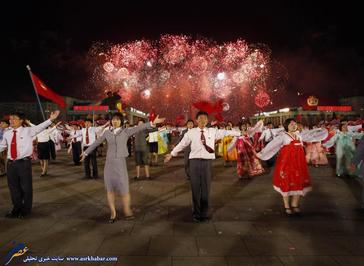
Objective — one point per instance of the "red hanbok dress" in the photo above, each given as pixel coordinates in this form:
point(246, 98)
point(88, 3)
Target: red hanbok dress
point(291, 176)
point(247, 162)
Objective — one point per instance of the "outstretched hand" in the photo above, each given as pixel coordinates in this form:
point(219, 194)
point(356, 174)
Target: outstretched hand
point(167, 158)
point(158, 120)
point(82, 157)
point(54, 115)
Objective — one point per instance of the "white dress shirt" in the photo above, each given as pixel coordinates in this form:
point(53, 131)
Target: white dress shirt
point(92, 135)
point(153, 136)
point(45, 135)
point(24, 139)
point(76, 135)
point(198, 150)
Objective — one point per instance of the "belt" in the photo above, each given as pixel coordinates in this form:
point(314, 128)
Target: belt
point(22, 159)
point(200, 159)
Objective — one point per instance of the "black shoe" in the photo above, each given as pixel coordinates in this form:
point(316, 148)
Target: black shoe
point(12, 215)
point(112, 220)
point(149, 177)
point(136, 177)
point(95, 177)
point(205, 219)
point(196, 220)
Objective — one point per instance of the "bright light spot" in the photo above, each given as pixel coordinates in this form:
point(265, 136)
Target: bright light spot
point(221, 76)
point(147, 92)
point(149, 63)
point(284, 110)
point(262, 66)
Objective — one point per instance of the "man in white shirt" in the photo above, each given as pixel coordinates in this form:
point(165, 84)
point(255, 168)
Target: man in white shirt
point(202, 142)
point(267, 136)
point(89, 135)
point(75, 142)
point(19, 142)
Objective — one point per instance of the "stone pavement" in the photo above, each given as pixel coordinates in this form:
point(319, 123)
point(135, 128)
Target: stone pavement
point(248, 226)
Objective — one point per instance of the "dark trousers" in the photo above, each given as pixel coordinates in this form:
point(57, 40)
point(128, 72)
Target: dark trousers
point(187, 163)
point(200, 171)
point(52, 149)
point(20, 184)
point(76, 152)
point(90, 158)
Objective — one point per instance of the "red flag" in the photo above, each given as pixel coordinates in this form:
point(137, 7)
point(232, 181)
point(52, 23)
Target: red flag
point(211, 108)
point(46, 92)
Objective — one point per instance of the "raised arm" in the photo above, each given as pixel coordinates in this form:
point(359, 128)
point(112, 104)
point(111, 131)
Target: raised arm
point(221, 133)
point(354, 128)
point(186, 140)
point(331, 142)
point(257, 128)
point(271, 149)
point(94, 145)
point(314, 135)
point(35, 130)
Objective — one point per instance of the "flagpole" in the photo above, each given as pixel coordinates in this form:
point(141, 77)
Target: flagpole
point(36, 94)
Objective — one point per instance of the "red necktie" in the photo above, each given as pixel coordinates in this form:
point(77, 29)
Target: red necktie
point(87, 138)
point(13, 150)
point(203, 139)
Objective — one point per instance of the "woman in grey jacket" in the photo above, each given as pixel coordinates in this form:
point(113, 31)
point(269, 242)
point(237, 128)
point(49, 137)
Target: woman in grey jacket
point(115, 171)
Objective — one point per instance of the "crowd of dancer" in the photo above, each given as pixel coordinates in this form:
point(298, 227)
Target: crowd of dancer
point(254, 149)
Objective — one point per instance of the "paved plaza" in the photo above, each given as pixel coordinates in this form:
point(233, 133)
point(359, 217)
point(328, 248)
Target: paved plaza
point(248, 225)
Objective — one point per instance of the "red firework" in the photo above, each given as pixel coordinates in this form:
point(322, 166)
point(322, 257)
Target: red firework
point(262, 99)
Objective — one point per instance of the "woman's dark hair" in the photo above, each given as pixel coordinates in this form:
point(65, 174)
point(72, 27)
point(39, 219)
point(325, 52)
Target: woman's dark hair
point(201, 113)
point(190, 120)
point(118, 115)
point(341, 126)
point(287, 122)
point(242, 123)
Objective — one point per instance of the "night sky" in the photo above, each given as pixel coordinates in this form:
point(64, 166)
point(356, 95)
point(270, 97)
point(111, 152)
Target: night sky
point(321, 45)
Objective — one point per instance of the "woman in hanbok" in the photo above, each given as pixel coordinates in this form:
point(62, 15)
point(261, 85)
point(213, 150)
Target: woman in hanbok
point(332, 132)
point(345, 148)
point(315, 154)
point(228, 155)
point(247, 163)
point(291, 178)
point(162, 140)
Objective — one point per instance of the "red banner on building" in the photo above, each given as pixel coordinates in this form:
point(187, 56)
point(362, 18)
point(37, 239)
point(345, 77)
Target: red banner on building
point(339, 108)
point(90, 108)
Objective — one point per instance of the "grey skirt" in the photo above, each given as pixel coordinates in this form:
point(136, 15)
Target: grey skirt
point(116, 176)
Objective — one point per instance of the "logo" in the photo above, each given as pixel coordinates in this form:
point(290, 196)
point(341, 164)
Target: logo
point(312, 101)
point(17, 251)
